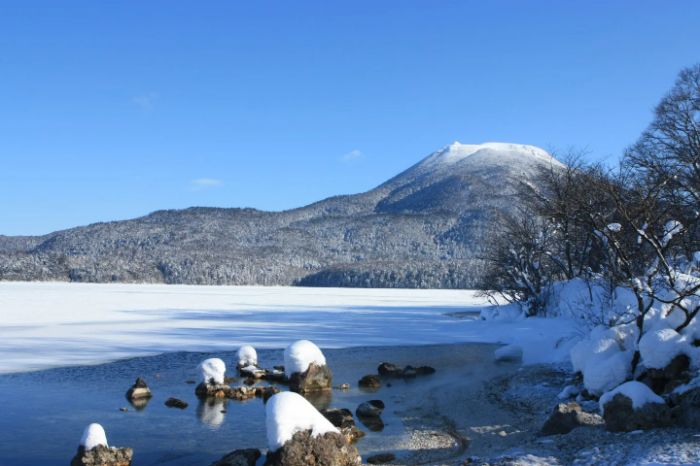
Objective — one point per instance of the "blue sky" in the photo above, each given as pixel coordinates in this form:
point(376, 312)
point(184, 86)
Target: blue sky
point(110, 110)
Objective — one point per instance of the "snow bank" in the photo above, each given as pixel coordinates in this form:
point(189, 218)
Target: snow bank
point(287, 413)
point(639, 393)
point(509, 353)
point(247, 356)
point(93, 436)
point(212, 368)
point(300, 354)
point(659, 347)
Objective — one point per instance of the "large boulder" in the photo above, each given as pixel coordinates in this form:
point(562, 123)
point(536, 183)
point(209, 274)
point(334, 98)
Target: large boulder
point(102, 455)
point(566, 417)
point(621, 415)
point(245, 457)
point(305, 449)
point(664, 381)
point(370, 381)
point(315, 378)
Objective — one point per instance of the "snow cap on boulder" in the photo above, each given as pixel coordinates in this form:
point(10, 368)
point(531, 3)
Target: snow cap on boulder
point(93, 436)
point(212, 369)
point(639, 393)
point(300, 355)
point(287, 413)
point(247, 356)
point(658, 348)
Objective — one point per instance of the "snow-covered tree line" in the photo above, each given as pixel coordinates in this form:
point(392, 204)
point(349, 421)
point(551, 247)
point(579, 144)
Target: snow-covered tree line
point(634, 228)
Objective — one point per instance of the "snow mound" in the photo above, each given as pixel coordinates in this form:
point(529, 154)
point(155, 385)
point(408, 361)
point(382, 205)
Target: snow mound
point(300, 354)
point(658, 348)
point(212, 369)
point(605, 374)
point(247, 356)
point(639, 393)
point(508, 353)
point(287, 413)
point(93, 436)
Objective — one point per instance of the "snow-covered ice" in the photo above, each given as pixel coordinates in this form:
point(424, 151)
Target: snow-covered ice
point(300, 355)
point(93, 436)
point(287, 413)
point(58, 324)
point(212, 369)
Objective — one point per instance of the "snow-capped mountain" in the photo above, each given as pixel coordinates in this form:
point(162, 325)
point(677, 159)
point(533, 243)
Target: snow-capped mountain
point(422, 228)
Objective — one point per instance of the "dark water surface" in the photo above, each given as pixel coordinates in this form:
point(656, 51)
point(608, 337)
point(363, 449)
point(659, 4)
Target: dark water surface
point(44, 413)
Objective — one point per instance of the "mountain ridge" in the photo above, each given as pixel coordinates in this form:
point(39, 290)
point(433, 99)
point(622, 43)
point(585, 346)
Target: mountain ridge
point(420, 228)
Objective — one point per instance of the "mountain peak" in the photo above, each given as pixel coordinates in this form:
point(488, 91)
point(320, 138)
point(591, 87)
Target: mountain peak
point(456, 152)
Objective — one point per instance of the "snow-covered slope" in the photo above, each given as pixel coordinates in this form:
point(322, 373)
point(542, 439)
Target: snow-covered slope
point(422, 228)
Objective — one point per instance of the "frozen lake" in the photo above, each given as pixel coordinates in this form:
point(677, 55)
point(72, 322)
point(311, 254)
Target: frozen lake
point(57, 324)
point(44, 325)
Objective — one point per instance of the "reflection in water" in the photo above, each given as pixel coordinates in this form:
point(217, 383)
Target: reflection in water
point(373, 423)
point(139, 404)
point(321, 399)
point(212, 411)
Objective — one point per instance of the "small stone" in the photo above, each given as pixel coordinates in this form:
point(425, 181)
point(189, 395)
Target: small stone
point(425, 370)
point(266, 392)
point(372, 408)
point(205, 390)
point(241, 393)
point(138, 391)
point(370, 381)
point(175, 403)
point(123, 409)
point(409, 372)
point(381, 458)
point(387, 369)
point(343, 386)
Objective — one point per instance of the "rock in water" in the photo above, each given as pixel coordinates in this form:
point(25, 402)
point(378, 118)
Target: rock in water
point(316, 378)
point(387, 369)
point(94, 451)
point(247, 356)
point(305, 449)
point(175, 403)
point(372, 408)
point(343, 420)
point(566, 417)
point(103, 456)
point(306, 367)
point(139, 394)
point(246, 457)
point(370, 381)
point(212, 371)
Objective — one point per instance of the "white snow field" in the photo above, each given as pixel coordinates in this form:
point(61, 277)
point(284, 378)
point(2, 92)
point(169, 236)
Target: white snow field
point(53, 324)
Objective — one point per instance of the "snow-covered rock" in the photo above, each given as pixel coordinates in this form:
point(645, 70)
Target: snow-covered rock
point(509, 353)
point(247, 356)
point(300, 354)
point(93, 436)
point(659, 347)
point(212, 370)
point(639, 393)
point(633, 406)
point(603, 374)
point(287, 413)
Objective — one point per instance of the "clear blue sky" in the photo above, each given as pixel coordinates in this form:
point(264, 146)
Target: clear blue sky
point(113, 109)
